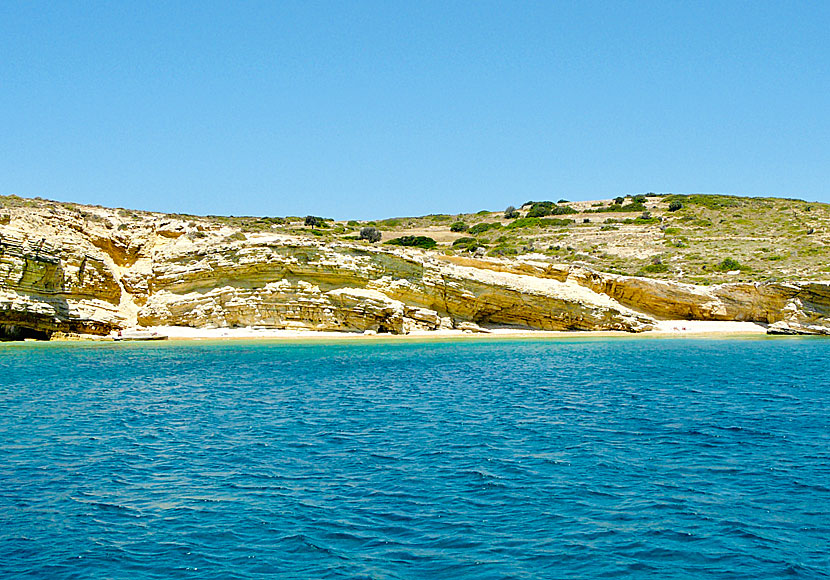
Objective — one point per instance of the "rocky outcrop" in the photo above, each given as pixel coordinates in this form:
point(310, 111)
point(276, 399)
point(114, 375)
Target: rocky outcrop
point(92, 270)
point(294, 283)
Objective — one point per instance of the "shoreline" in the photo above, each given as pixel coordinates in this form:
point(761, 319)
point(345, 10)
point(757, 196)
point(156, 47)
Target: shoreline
point(664, 329)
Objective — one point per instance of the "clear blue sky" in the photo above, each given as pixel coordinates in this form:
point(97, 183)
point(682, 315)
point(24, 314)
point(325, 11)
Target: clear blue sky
point(377, 109)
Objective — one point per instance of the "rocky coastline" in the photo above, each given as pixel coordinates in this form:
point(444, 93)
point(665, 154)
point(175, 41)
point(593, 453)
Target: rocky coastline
point(90, 271)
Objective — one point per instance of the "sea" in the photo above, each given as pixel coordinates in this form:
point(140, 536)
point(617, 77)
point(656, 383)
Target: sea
point(578, 457)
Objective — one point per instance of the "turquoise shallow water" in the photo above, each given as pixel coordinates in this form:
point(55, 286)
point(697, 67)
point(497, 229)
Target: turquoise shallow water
point(583, 458)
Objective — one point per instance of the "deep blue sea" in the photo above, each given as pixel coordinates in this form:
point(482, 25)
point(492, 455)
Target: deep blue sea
point(565, 458)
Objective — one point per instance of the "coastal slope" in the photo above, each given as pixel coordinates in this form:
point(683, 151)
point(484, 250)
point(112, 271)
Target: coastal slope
point(89, 270)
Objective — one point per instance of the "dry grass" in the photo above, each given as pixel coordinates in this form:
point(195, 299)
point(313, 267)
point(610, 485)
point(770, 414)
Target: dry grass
point(769, 238)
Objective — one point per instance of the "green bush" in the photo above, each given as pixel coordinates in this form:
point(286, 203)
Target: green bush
point(706, 200)
point(616, 207)
point(413, 242)
point(562, 210)
point(675, 205)
point(729, 264)
point(458, 227)
point(544, 208)
point(642, 221)
point(538, 210)
point(371, 234)
point(314, 221)
point(483, 227)
point(529, 222)
point(467, 244)
point(511, 213)
point(503, 250)
point(352, 223)
point(656, 268)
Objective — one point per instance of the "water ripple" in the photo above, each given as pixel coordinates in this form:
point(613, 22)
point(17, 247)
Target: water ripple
point(525, 459)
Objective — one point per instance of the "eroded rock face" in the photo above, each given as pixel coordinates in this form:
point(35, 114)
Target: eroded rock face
point(94, 270)
point(295, 283)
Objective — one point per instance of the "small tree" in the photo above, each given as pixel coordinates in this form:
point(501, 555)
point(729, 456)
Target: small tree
point(371, 234)
point(313, 220)
point(511, 213)
point(675, 205)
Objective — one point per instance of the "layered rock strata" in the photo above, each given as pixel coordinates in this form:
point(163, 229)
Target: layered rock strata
point(96, 270)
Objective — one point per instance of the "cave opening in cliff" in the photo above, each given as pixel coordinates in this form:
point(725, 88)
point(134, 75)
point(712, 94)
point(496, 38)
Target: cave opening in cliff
point(10, 332)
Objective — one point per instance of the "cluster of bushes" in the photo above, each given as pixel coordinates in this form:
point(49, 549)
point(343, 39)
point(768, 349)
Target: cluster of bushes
point(729, 264)
point(467, 244)
point(645, 219)
point(458, 226)
point(371, 234)
point(707, 201)
point(656, 268)
point(483, 227)
point(530, 222)
point(545, 208)
point(424, 242)
point(315, 221)
point(503, 250)
point(618, 206)
point(511, 213)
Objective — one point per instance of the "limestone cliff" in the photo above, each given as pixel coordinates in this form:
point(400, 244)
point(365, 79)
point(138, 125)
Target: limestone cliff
point(92, 270)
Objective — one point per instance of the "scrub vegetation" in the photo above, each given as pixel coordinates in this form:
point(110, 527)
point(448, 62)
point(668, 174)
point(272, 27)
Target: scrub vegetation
point(699, 239)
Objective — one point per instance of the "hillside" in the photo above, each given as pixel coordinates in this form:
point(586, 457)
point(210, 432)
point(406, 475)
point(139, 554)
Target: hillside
point(759, 238)
point(601, 265)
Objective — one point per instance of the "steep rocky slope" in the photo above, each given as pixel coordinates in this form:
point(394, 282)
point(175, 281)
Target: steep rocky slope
point(90, 270)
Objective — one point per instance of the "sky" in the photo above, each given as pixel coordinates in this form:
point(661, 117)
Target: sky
point(379, 109)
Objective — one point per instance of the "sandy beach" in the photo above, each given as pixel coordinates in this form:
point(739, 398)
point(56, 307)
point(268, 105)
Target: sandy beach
point(665, 328)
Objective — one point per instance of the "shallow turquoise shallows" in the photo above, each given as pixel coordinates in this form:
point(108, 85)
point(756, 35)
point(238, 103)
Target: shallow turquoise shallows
point(583, 458)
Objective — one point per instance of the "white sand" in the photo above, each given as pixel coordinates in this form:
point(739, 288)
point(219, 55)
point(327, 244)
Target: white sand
point(664, 328)
point(707, 327)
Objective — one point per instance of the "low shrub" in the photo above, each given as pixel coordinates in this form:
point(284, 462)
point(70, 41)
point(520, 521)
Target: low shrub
point(371, 234)
point(729, 264)
point(708, 201)
point(483, 227)
point(467, 244)
point(511, 213)
point(458, 226)
point(617, 207)
point(656, 268)
point(424, 242)
point(530, 222)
